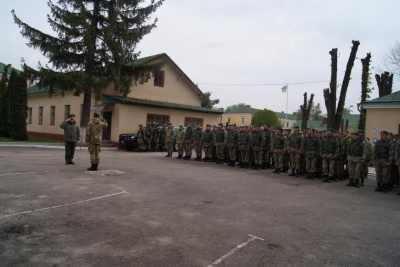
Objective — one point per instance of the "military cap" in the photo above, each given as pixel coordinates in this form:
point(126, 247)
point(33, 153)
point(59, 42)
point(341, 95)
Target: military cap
point(355, 133)
point(335, 131)
point(329, 129)
point(279, 128)
point(390, 133)
point(384, 132)
point(71, 115)
point(208, 125)
point(220, 124)
point(96, 114)
point(296, 127)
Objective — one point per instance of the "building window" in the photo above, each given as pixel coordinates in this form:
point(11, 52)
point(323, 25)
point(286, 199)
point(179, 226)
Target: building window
point(67, 111)
point(242, 120)
point(193, 121)
point(40, 122)
point(52, 115)
point(229, 120)
point(29, 115)
point(160, 119)
point(159, 78)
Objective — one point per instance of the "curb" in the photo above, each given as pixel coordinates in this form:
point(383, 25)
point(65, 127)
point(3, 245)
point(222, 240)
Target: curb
point(61, 147)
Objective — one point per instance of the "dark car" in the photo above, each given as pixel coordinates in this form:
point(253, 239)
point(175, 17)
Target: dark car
point(128, 141)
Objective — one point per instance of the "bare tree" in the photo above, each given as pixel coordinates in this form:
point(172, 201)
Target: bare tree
point(305, 110)
point(365, 81)
point(335, 114)
point(385, 83)
point(391, 59)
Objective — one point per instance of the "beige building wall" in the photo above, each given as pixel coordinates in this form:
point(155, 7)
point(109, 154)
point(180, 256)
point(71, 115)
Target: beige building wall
point(176, 89)
point(131, 116)
point(378, 120)
point(286, 123)
point(240, 119)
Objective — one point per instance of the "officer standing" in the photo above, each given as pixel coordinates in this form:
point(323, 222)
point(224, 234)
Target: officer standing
point(279, 148)
point(329, 154)
point(296, 146)
point(380, 157)
point(188, 140)
point(169, 140)
point(257, 144)
point(356, 155)
point(71, 137)
point(94, 130)
point(311, 149)
point(244, 147)
point(208, 143)
point(141, 138)
point(180, 138)
point(233, 139)
point(198, 135)
point(267, 148)
point(221, 137)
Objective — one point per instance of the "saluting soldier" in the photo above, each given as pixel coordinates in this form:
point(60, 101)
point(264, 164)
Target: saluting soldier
point(180, 139)
point(198, 135)
point(141, 138)
point(329, 153)
point(208, 143)
point(233, 139)
point(380, 157)
point(221, 138)
point(169, 140)
point(93, 138)
point(279, 147)
point(296, 147)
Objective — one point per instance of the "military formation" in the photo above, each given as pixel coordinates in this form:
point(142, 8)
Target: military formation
point(326, 155)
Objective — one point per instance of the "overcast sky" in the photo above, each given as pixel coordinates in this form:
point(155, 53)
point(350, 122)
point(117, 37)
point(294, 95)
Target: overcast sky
point(230, 47)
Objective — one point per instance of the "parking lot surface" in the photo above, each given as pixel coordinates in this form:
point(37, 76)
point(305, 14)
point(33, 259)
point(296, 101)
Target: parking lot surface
point(142, 209)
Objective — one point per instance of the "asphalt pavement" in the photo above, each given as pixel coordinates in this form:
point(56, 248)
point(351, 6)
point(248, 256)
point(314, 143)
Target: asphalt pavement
point(142, 209)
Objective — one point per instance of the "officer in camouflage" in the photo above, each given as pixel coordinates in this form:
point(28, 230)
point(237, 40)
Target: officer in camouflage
point(141, 138)
point(380, 157)
point(356, 155)
point(329, 153)
point(311, 148)
point(94, 130)
point(208, 143)
point(180, 139)
point(267, 147)
point(198, 136)
point(169, 140)
point(244, 147)
point(279, 148)
point(221, 138)
point(257, 145)
point(296, 147)
point(233, 139)
point(188, 140)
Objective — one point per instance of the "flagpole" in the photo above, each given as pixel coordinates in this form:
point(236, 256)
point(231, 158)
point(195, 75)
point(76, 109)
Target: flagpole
point(287, 100)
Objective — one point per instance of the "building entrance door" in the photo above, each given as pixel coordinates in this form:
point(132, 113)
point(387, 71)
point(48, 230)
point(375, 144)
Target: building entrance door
point(107, 115)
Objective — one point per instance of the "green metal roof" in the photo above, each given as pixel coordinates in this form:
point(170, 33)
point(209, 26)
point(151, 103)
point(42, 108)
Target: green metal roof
point(35, 89)
point(282, 115)
point(108, 99)
point(2, 66)
point(320, 125)
point(387, 99)
point(243, 110)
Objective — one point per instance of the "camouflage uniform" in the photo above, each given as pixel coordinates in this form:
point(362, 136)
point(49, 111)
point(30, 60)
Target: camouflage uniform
point(155, 138)
point(149, 136)
point(169, 140)
point(180, 138)
point(380, 156)
point(244, 147)
point(208, 143)
point(198, 135)
point(94, 130)
point(329, 153)
point(257, 145)
point(311, 148)
point(356, 154)
point(267, 149)
point(189, 134)
point(279, 147)
point(296, 147)
point(221, 137)
point(141, 138)
point(233, 139)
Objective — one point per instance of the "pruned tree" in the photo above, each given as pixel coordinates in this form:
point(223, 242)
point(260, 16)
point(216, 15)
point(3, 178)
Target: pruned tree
point(385, 83)
point(335, 112)
point(208, 102)
point(305, 110)
point(94, 46)
point(365, 82)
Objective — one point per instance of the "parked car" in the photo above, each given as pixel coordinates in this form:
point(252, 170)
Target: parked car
point(128, 141)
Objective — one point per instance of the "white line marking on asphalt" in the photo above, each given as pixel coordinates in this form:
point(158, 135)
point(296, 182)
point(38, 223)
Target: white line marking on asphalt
point(218, 261)
point(64, 205)
point(18, 173)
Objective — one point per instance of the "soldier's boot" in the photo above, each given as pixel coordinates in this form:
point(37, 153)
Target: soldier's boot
point(356, 183)
point(198, 158)
point(246, 165)
point(326, 179)
point(308, 176)
point(362, 182)
point(91, 168)
point(275, 171)
point(233, 163)
point(279, 171)
point(350, 183)
point(292, 173)
point(258, 167)
point(378, 188)
point(168, 155)
point(268, 166)
point(263, 166)
point(254, 167)
point(296, 173)
point(95, 166)
point(241, 165)
point(312, 175)
point(188, 158)
point(285, 169)
point(334, 178)
point(179, 156)
point(384, 188)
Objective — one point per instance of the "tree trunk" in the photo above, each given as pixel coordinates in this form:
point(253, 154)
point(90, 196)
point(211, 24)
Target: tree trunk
point(306, 109)
point(330, 97)
point(385, 83)
point(364, 89)
point(345, 84)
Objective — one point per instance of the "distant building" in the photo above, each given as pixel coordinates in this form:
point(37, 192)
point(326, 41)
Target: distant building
point(286, 120)
point(240, 116)
point(350, 123)
point(383, 114)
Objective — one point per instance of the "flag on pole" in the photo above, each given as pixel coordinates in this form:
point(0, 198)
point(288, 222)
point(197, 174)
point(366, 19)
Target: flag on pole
point(284, 89)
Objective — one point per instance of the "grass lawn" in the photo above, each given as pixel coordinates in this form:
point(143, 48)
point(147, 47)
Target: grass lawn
point(32, 139)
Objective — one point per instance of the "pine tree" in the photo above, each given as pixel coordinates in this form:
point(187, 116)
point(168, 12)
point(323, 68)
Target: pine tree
point(5, 119)
point(94, 47)
point(18, 106)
